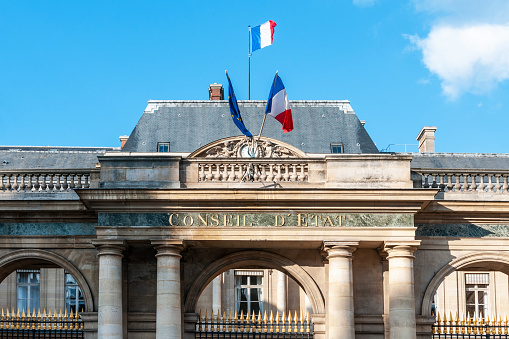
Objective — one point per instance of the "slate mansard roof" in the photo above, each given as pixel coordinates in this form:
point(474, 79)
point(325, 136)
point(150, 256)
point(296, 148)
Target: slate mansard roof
point(46, 157)
point(189, 125)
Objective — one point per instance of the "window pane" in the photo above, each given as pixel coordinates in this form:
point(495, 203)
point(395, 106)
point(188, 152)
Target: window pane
point(22, 292)
point(243, 307)
point(470, 297)
point(471, 310)
point(34, 292)
point(481, 297)
point(255, 307)
point(69, 279)
point(243, 279)
point(255, 294)
point(243, 294)
point(33, 278)
point(22, 278)
point(22, 304)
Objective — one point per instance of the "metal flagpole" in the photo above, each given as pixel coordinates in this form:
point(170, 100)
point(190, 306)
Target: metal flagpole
point(249, 62)
point(265, 115)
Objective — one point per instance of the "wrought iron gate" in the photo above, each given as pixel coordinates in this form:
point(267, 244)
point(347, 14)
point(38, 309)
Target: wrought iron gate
point(470, 328)
point(47, 325)
point(254, 327)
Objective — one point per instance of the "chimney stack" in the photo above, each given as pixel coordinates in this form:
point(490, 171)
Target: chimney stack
point(426, 139)
point(216, 92)
point(123, 140)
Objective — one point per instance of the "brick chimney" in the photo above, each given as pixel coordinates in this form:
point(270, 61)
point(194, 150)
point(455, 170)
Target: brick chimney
point(426, 139)
point(123, 140)
point(216, 92)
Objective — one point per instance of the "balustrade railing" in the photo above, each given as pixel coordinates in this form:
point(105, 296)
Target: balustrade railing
point(255, 171)
point(254, 326)
point(43, 181)
point(45, 325)
point(470, 327)
point(459, 181)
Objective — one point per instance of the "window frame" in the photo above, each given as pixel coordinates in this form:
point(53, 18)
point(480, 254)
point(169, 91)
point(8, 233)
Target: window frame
point(28, 304)
point(337, 144)
point(249, 286)
point(163, 144)
point(477, 289)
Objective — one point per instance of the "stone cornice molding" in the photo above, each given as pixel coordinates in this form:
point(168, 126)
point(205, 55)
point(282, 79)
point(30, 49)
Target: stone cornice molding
point(401, 249)
point(110, 246)
point(332, 200)
point(457, 211)
point(171, 247)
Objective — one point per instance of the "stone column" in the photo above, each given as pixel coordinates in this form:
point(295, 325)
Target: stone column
point(340, 312)
point(402, 322)
point(216, 294)
point(281, 292)
point(169, 301)
point(110, 324)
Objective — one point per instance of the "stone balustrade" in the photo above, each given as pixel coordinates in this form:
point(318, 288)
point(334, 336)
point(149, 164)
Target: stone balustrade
point(465, 181)
point(267, 171)
point(43, 181)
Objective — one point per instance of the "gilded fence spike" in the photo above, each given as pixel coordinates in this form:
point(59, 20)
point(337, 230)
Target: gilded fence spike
point(271, 322)
point(241, 320)
point(290, 329)
point(505, 326)
point(283, 323)
point(253, 322)
point(296, 320)
point(265, 329)
point(308, 326)
point(259, 320)
point(469, 322)
point(277, 322)
point(2, 319)
point(34, 319)
point(451, 323)
point(301, 328)
point(488, 329)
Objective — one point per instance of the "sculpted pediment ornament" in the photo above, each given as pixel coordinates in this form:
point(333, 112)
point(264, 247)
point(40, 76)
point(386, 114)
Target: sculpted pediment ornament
point(243, 147)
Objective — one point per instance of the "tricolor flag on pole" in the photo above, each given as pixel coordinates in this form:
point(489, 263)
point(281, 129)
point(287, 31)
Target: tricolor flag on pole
point(278, 105)
point(262, 36)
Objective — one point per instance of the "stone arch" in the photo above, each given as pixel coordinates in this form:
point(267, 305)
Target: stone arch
point(16, 259)
point(490, 259)
point(256, 259)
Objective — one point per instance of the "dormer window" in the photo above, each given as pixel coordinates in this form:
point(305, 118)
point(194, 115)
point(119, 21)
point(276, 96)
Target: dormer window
point(163, 146)
point(336, 148)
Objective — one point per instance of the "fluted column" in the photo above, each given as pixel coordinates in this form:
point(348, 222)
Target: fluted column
point(340, 311)
point(109, 324)
point(168, 308)
point(401, 289)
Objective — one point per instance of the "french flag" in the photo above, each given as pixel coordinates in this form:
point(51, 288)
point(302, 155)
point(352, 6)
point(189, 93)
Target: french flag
point(278, 105)
point(261, 36)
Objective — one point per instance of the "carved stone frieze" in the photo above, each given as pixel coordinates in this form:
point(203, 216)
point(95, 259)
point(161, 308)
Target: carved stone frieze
point(242, 147)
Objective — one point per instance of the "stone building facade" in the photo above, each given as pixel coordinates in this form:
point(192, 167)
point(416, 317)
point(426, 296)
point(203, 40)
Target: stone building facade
point(178, 221)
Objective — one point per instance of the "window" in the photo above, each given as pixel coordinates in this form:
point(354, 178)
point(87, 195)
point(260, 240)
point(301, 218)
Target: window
point(73, 296)
point(336, 148)
point(163, 146)
point(248, 291)
point(476, 293)
point(28, 289)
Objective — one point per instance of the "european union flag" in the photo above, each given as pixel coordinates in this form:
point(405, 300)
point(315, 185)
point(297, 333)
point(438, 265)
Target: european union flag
point(234, 110)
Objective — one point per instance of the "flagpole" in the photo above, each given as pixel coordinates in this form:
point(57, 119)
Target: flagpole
point(265, 115)
point(249, 67)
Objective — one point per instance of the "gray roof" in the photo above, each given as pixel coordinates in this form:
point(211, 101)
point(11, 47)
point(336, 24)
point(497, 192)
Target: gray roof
point(30, 157)
point(189, 125)
point(460, 161)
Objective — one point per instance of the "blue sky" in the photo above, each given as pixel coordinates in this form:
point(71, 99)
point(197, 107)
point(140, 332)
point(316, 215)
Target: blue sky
point(80, 73)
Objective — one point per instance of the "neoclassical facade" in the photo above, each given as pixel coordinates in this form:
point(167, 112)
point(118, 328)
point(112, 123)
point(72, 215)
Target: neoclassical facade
point(179, 223)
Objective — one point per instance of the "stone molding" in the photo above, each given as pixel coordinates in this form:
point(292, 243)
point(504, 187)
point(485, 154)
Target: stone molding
point(168, 247)
point(110, 247)
point(454, 265)
point(401, 249)
point(264, 259)
point(342, 249)
point(13, 257)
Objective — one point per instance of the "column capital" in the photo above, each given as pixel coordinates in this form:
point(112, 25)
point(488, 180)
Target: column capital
point(334, 249)
point(110, 246)
point(403, 249)
point(168, 246)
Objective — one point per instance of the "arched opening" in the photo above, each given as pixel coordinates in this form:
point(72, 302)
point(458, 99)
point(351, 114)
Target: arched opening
point(257, 261)
point(38, 279)
point(472, 284)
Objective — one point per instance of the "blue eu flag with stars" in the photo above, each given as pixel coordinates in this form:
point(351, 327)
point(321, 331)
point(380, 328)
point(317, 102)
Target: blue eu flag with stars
point(234, 110)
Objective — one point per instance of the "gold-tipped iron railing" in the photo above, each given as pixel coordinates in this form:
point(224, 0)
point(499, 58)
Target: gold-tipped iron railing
point(41, 324)
point(470, 327)
point(254, 325)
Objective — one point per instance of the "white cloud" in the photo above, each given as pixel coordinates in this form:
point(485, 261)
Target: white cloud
point(364, 3)
point(470, 58)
